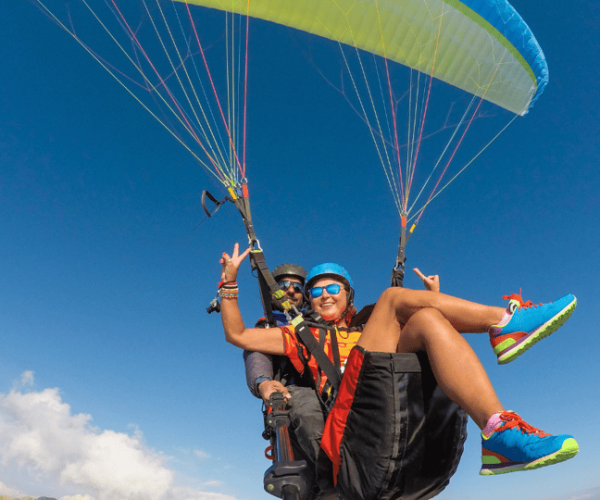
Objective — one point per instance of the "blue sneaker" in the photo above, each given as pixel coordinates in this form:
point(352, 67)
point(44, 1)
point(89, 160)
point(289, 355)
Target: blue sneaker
point(515, 445)
point(528, 324)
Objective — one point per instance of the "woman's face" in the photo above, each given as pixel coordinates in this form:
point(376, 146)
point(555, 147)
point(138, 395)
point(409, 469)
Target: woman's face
point(329, 306)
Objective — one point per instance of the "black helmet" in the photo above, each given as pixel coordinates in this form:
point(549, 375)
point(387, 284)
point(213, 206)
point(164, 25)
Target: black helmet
point(289, 270)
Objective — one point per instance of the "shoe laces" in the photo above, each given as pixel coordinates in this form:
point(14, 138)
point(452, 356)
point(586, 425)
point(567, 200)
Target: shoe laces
point(519, 299)
point(512, 420)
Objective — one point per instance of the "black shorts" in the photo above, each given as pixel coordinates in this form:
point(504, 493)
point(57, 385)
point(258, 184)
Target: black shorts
point(392, 432)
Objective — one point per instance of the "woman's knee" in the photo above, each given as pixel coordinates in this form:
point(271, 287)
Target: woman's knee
point(418, 331)
point(406, 302)
point(427, 320)
point(395, 298)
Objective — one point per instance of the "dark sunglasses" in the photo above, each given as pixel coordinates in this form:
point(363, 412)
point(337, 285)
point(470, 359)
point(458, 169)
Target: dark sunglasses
point(332, 289)
point(285, 284)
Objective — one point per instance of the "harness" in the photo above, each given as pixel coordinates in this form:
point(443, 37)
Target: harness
point(332, 369)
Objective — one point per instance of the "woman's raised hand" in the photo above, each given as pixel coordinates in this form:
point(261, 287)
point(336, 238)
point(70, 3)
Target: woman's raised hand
point(432, 282)
point(232, 264)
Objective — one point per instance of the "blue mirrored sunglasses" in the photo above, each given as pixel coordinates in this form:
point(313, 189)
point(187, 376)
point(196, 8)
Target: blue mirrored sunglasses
point(285, 284)
point(332, 289)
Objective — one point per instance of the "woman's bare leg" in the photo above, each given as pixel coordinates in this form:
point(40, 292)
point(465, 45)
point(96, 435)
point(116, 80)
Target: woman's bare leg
point(455, 365)
point(464, 316)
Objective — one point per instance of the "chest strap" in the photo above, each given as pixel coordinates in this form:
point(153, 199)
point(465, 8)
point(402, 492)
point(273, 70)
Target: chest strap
point(331, 370)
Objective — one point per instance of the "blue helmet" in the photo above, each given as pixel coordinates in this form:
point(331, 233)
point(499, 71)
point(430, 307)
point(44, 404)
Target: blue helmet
point(329, 269)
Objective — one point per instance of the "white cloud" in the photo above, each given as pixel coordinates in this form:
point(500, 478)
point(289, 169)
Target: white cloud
point(213, 483)
point(10, 492)
point(593, 494)
point(202, 455)
point(182, 493)
point(38, 433)
point(26, 380)
point(118, 462)
point(195, 452)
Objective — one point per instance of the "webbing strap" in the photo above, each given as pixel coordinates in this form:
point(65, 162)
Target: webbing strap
point(269, 289)
point(335, 350)
point(398, 271)
point(217, 203)
point(257, 262)
point(312, 344)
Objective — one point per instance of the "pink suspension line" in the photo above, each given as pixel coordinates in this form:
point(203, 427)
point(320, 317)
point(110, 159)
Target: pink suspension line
point(163, 83)
point(214, 89)
point(393, 109)
point(396, 143)
point(243, 171)
point(425, 109)
point(451, 158)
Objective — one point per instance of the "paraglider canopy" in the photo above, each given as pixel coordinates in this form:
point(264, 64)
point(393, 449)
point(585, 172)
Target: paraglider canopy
point(481, 46)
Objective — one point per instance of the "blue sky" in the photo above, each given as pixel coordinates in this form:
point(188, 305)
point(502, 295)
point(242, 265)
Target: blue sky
point(108, 355)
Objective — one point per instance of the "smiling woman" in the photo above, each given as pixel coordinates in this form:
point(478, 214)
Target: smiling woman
point(331, 291)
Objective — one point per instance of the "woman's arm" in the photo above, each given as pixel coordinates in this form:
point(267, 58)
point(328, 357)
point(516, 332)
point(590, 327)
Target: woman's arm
point(267, 340)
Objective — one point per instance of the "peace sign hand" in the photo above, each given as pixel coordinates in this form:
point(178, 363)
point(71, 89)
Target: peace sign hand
point(232, 264)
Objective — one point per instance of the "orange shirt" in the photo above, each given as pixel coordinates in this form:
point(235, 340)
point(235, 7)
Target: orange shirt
point(346, 341)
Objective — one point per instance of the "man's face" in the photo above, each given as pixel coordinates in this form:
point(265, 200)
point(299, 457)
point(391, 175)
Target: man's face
point(292, 287)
